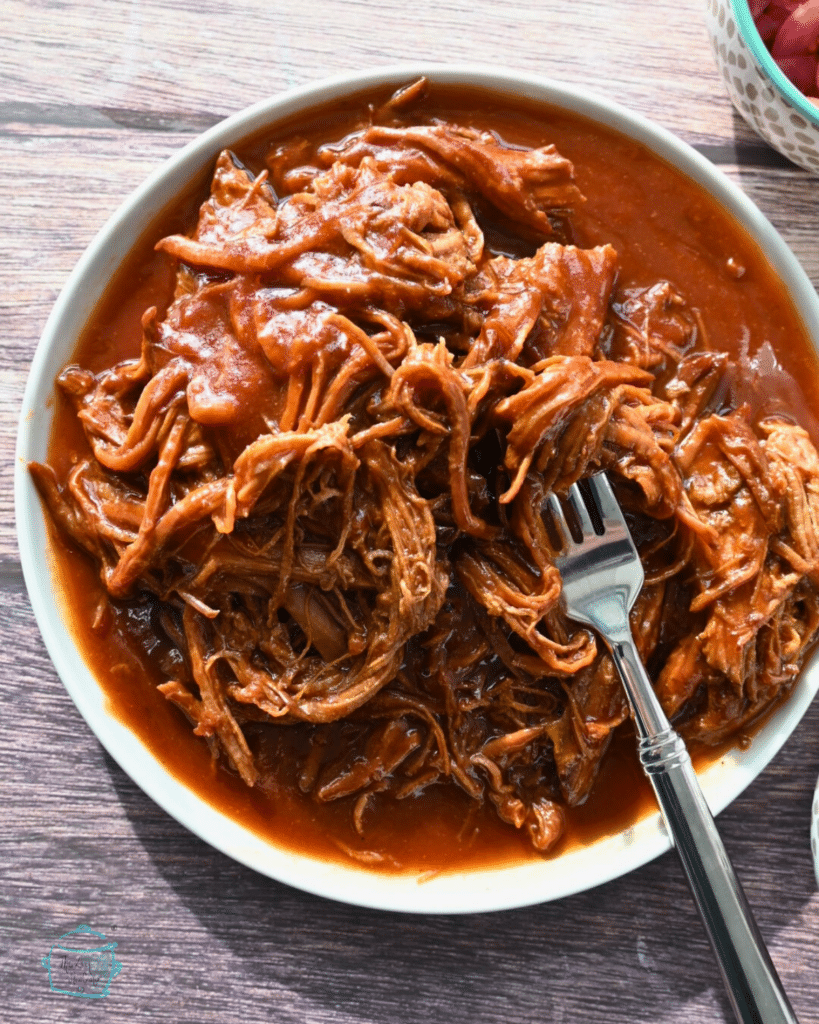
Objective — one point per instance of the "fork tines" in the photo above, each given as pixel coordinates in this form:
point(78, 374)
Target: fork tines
point(592, 514)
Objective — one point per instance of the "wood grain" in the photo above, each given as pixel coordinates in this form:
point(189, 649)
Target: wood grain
point(93, 97)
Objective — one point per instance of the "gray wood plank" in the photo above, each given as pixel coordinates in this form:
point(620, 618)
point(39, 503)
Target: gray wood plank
point(169, 56)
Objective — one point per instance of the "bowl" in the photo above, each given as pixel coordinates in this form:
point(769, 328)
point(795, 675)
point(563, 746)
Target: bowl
point(766, 99)
point(497, 888)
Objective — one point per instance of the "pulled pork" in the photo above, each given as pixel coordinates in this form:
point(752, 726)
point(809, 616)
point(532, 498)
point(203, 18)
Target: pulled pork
point(326, 473)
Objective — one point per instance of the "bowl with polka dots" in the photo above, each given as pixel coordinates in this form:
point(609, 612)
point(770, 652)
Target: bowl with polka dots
point(759, 90)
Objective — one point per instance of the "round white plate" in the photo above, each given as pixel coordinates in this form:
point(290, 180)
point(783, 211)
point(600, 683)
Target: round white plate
point(503, 887)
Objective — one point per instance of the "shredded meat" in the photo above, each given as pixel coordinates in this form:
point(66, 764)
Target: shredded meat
point(327, 468)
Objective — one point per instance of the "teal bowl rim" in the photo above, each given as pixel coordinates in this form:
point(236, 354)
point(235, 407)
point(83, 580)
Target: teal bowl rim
point(748, 30)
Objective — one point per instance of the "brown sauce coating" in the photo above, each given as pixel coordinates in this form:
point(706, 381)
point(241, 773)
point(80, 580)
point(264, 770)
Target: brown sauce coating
point(664, 230)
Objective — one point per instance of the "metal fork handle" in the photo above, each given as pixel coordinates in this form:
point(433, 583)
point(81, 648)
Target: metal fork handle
point(750, 978)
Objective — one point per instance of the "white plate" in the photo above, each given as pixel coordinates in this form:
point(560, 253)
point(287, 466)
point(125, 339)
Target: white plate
point(499, 888)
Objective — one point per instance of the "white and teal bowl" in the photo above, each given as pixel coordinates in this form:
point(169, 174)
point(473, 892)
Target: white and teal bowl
point(769, 102)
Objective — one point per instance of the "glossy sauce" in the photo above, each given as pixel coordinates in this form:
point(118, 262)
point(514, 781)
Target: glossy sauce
point(664, 227)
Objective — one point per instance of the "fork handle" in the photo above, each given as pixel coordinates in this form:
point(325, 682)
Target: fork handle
point(750, 978)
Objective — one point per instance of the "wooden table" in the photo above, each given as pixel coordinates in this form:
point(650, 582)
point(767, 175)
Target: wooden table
point(94, 96)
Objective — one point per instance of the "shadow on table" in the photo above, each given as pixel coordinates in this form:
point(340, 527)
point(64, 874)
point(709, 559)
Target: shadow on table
point(632, 950)
point(746, 150)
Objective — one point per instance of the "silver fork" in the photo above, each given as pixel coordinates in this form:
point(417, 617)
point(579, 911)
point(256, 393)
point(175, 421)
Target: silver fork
point(602, 576)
